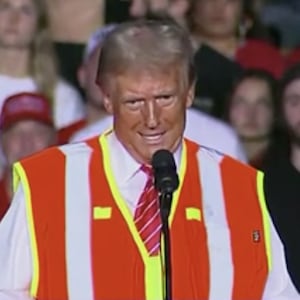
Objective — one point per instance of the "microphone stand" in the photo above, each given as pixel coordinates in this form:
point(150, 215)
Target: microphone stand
point(165, 206)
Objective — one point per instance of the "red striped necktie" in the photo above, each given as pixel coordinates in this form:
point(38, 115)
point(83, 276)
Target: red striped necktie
point(147, 215)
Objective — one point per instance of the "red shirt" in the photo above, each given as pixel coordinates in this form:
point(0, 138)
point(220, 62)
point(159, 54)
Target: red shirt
point(293, 58)
point(4, 199)
point(65, 133)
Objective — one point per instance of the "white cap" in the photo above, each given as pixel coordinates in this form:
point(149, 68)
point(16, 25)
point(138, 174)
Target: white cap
point(96, 39)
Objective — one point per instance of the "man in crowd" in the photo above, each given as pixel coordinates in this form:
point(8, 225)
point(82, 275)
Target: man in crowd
point(97, 119)
point(283, 174)
point(26, 126)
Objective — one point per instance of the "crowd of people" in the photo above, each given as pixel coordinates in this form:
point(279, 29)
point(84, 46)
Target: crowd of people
point(143, 74)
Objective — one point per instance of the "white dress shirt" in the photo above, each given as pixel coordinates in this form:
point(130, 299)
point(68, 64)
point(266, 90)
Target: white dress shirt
point(92, 130)
point(211, 132)
point(15, 256)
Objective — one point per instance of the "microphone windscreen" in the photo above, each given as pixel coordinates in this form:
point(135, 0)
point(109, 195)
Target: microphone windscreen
point(165, 175)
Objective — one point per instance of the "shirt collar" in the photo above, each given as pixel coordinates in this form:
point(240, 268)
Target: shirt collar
point(125, 163)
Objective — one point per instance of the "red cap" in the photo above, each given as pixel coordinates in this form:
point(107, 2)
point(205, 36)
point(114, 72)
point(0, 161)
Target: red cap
point(25, 106)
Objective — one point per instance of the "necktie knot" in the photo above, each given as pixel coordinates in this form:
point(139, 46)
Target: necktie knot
point(147, 169)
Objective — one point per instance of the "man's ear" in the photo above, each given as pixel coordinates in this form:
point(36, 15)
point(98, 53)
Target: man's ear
point(81, 77)
point(190, 95)
point(107, 102)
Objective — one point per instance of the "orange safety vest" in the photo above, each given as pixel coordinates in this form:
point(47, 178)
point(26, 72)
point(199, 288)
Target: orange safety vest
point(209, 259)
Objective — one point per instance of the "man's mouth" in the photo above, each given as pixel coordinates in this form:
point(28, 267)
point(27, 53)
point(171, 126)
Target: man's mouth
point(152, 138)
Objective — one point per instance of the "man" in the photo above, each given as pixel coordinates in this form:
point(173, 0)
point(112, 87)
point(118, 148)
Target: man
point(26, 127)
point(95, 111)
point(282, 184)
point(200, 127)
point(94, 230)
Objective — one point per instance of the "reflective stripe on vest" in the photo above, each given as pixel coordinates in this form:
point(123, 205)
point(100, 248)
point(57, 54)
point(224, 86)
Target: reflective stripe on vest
point(220, 262)
point(211, 221)
point(222, 284)
point(266, 217)
point(78, 235)
point(18, 175)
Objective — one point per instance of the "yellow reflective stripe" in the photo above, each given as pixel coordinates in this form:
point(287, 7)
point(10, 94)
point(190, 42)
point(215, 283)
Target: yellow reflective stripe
point(182, 171)
point(16, 178)
point(163, 263)
point(153, 274)
point(265, 215)
point(153, 284)
point(117, 196)
point(153, 268)
point(19, 174)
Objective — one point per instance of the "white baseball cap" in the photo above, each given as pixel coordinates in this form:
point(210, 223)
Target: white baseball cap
point(96, 39)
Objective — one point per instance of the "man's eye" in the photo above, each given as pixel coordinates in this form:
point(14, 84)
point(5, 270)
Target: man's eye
point(134, 103)
point(165, 99)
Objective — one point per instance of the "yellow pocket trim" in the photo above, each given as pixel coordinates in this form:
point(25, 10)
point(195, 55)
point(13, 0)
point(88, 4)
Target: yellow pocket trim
point(100, 213)
point(192, 213)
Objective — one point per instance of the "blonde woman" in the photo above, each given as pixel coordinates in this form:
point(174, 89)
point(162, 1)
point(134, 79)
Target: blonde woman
point(27, 61)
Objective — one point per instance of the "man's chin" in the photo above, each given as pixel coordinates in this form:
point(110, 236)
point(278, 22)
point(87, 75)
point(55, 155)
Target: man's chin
point(151, 151)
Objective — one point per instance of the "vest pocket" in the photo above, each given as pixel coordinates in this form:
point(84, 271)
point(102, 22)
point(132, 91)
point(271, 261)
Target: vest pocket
point(101, 213)
point(192, 213)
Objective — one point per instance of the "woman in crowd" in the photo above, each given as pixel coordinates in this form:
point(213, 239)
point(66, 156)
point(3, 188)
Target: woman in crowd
point(27, 60)
point(251, 111)
point(223, 25)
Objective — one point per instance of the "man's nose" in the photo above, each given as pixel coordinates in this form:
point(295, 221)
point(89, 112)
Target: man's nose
point(15, 16)
point(151, 114)
point(28, 144)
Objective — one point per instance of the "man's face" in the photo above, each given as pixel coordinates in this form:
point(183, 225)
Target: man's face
point(149, 111)
point(291, 109)
point(25, 138)
point(251, 110)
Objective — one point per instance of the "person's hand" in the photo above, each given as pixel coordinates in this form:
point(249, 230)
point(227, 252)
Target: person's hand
point(177, 9)
point(174, 8)
point(138, 8)
point(158, 5)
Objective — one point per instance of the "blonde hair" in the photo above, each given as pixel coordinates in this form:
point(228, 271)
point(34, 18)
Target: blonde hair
point(43, 63)
point(146, 44)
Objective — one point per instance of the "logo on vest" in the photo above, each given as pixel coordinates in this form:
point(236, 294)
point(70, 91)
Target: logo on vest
point(256, 236)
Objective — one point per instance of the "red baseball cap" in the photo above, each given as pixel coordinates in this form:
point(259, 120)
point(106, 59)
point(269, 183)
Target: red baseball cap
point(23, 106)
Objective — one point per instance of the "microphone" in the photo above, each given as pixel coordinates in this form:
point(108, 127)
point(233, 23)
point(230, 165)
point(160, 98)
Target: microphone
point(166, 182)
point(165, 178)
point(165, 175)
